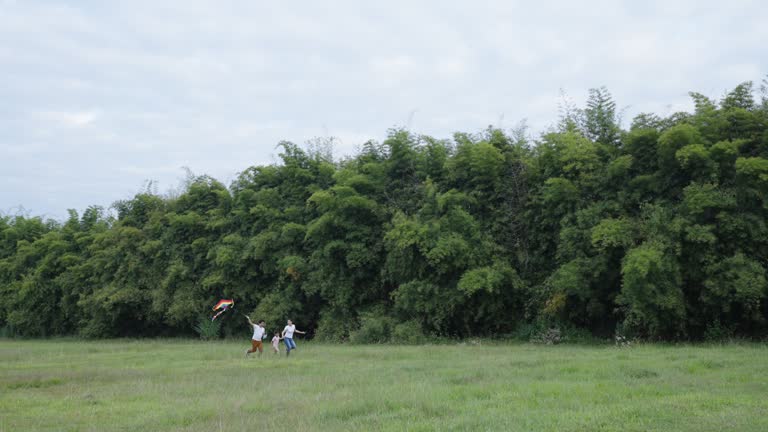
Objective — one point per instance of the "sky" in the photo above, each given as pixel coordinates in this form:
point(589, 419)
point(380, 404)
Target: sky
point(96, 97)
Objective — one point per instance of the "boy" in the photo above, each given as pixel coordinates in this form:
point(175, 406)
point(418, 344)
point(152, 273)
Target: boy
point(288, 337)
point(258, 335)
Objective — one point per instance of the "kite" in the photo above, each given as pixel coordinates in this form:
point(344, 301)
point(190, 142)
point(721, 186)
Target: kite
point(224, 305)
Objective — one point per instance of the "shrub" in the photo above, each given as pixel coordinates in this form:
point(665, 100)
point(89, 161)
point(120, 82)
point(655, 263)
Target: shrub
point(525, 331)
point(408, 333)
point(7, 331)
point(623, 336)
point(652, 290)
point(373, 329)
point(550, 336)
point(334, 326)
point(622, 341)
point(578, 335)
point(207, 329)
point(718, 332)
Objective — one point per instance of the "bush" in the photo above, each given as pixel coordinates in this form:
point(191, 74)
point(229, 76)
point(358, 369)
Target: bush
point(8, 331)
point(373, 329)
point(525, 331)
point(622, 341)
point(207, 329)
point(718, 332)
point(579, 335)
point(408, 333)
point(537, 331)
point(334, 326)
point(550, 336)
point(623, 336)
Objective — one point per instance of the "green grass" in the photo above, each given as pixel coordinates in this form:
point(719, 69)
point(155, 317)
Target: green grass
point(66, 385)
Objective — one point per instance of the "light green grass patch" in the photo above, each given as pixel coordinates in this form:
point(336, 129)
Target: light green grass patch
point(176, 385)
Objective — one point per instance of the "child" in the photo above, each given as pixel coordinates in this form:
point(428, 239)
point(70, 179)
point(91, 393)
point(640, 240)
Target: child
point(276, 343)
point(258, 335)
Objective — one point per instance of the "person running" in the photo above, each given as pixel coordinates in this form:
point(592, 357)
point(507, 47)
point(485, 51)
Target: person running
point(276, 343)
point(288, 332)
point(258, 335)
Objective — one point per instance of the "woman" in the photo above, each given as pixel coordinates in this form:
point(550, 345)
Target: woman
point(288, 332)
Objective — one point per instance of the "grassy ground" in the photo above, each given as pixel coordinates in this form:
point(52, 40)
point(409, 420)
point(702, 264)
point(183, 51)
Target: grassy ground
point(195, 386)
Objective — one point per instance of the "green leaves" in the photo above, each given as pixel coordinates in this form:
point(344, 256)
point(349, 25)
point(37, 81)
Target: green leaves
point(559, 191)
point(477, 165)
point(737, 284)
point(651, 289)
point(601, 120)
point(449, 252)
point(483, 279)
point(695, 160)
point(700, 198)
point(753, 170)
point(674, 139)
point(659, 229)
point(613, 233)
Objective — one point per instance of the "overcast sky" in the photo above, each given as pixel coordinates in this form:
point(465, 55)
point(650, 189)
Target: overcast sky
point(98, 96)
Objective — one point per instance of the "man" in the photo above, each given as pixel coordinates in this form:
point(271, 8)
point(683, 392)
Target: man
point(258, 335)
point(288, 332)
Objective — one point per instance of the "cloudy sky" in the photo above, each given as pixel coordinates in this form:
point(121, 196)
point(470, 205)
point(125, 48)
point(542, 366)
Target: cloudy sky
point(98, 96)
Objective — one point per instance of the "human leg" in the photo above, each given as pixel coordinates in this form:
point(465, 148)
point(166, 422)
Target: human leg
point(255, 345)
point(289, 345)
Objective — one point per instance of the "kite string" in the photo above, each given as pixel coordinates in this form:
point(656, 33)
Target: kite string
point(219, 313)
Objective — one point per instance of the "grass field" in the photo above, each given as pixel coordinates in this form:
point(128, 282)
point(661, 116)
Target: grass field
point(67, 385)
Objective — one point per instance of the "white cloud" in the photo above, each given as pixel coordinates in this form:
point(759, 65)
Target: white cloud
point(76, 119)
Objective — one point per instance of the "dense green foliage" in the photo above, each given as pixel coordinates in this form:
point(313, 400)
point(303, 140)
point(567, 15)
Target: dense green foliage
point(657, 231)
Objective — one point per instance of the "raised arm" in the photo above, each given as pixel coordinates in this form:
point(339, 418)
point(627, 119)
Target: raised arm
point(249, 321)
point(300, 332)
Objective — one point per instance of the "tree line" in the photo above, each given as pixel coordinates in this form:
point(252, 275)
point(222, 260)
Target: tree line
point(657, 230)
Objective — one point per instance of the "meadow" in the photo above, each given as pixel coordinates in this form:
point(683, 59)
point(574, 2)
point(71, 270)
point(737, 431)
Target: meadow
point(184, 385)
